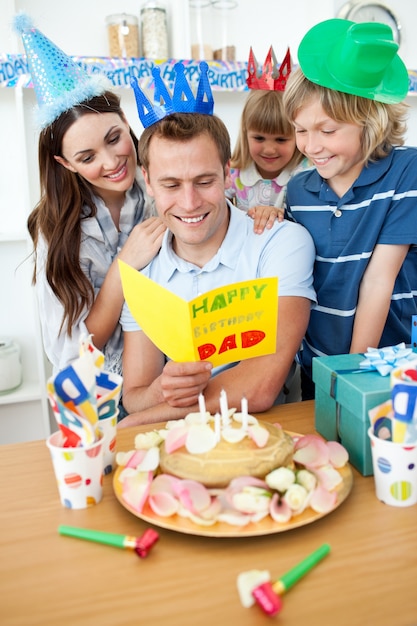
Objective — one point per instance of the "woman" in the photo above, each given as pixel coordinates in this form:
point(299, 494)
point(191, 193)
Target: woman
point(92, 204)
point(91, 212)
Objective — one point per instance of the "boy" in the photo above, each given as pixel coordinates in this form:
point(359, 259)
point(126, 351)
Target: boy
point(359, 202)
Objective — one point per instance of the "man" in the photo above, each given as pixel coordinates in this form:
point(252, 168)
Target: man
point(210, 243)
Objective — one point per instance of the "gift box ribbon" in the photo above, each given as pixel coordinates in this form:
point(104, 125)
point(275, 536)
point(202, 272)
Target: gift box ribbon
point(384, 360)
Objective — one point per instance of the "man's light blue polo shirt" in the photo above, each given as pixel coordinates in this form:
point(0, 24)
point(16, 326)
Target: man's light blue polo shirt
point(286, 251)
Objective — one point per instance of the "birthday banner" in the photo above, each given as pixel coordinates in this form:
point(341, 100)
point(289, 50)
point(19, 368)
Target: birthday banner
point(228, 324)
point(223, 75)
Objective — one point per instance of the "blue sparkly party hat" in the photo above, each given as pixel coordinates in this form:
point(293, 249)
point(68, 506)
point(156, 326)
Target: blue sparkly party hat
point(59, 83)
point(181, 101)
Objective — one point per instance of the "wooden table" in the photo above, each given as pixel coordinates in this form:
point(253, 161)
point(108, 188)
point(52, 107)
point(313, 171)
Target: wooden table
point(46, 579)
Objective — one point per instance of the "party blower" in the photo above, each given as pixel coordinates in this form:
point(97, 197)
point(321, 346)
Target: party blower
point(256, 585)
point(140, 545)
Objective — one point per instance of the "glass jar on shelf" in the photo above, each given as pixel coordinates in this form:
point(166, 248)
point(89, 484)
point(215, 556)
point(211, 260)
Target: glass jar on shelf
point(154, 30)
point(201, 30)
point(123, 35)
point(224, 19)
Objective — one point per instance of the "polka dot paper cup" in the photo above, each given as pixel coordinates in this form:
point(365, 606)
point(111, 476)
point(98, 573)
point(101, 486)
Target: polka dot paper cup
point(78, 472)
point(395, 471)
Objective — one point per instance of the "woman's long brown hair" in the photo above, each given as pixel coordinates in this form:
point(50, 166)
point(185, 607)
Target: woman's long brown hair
point(66, 199)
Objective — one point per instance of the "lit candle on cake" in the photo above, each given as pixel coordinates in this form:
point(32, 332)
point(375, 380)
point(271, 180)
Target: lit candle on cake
point(217, 426)
point(202, 407)
point(224, 409)
point(244, 411)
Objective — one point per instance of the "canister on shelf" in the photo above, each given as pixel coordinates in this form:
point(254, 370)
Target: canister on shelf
point(123, 35)
point(154, 30)
point(224, 20)
point(200, 29)
point(10, 365)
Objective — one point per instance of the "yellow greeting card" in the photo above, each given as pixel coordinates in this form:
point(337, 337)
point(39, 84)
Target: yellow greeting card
point(225, 325)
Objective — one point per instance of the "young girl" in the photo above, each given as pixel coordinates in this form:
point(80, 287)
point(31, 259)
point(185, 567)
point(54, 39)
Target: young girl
point(359, 202)
point(92, 205)
point(264, 159)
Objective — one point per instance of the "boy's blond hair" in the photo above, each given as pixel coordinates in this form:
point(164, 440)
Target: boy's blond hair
point(383, 125)
point(263, 113)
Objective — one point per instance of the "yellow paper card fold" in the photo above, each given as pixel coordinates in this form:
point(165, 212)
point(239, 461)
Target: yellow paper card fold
point(224, 325)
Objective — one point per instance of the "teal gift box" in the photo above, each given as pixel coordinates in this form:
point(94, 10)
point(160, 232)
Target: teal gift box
point(344, 395)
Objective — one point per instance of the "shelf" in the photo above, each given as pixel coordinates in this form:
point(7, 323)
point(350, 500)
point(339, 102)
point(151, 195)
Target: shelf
point(27, 392)
point(14, 237)
point(224, 75)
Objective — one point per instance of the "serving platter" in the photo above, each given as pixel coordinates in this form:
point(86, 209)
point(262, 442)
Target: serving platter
point(266, 526)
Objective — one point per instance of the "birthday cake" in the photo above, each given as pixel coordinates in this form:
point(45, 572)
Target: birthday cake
point(252, 451)
point(231, 468)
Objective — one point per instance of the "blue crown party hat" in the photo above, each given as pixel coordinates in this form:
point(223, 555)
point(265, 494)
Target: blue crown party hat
point(181, 101)
point(58, 81)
